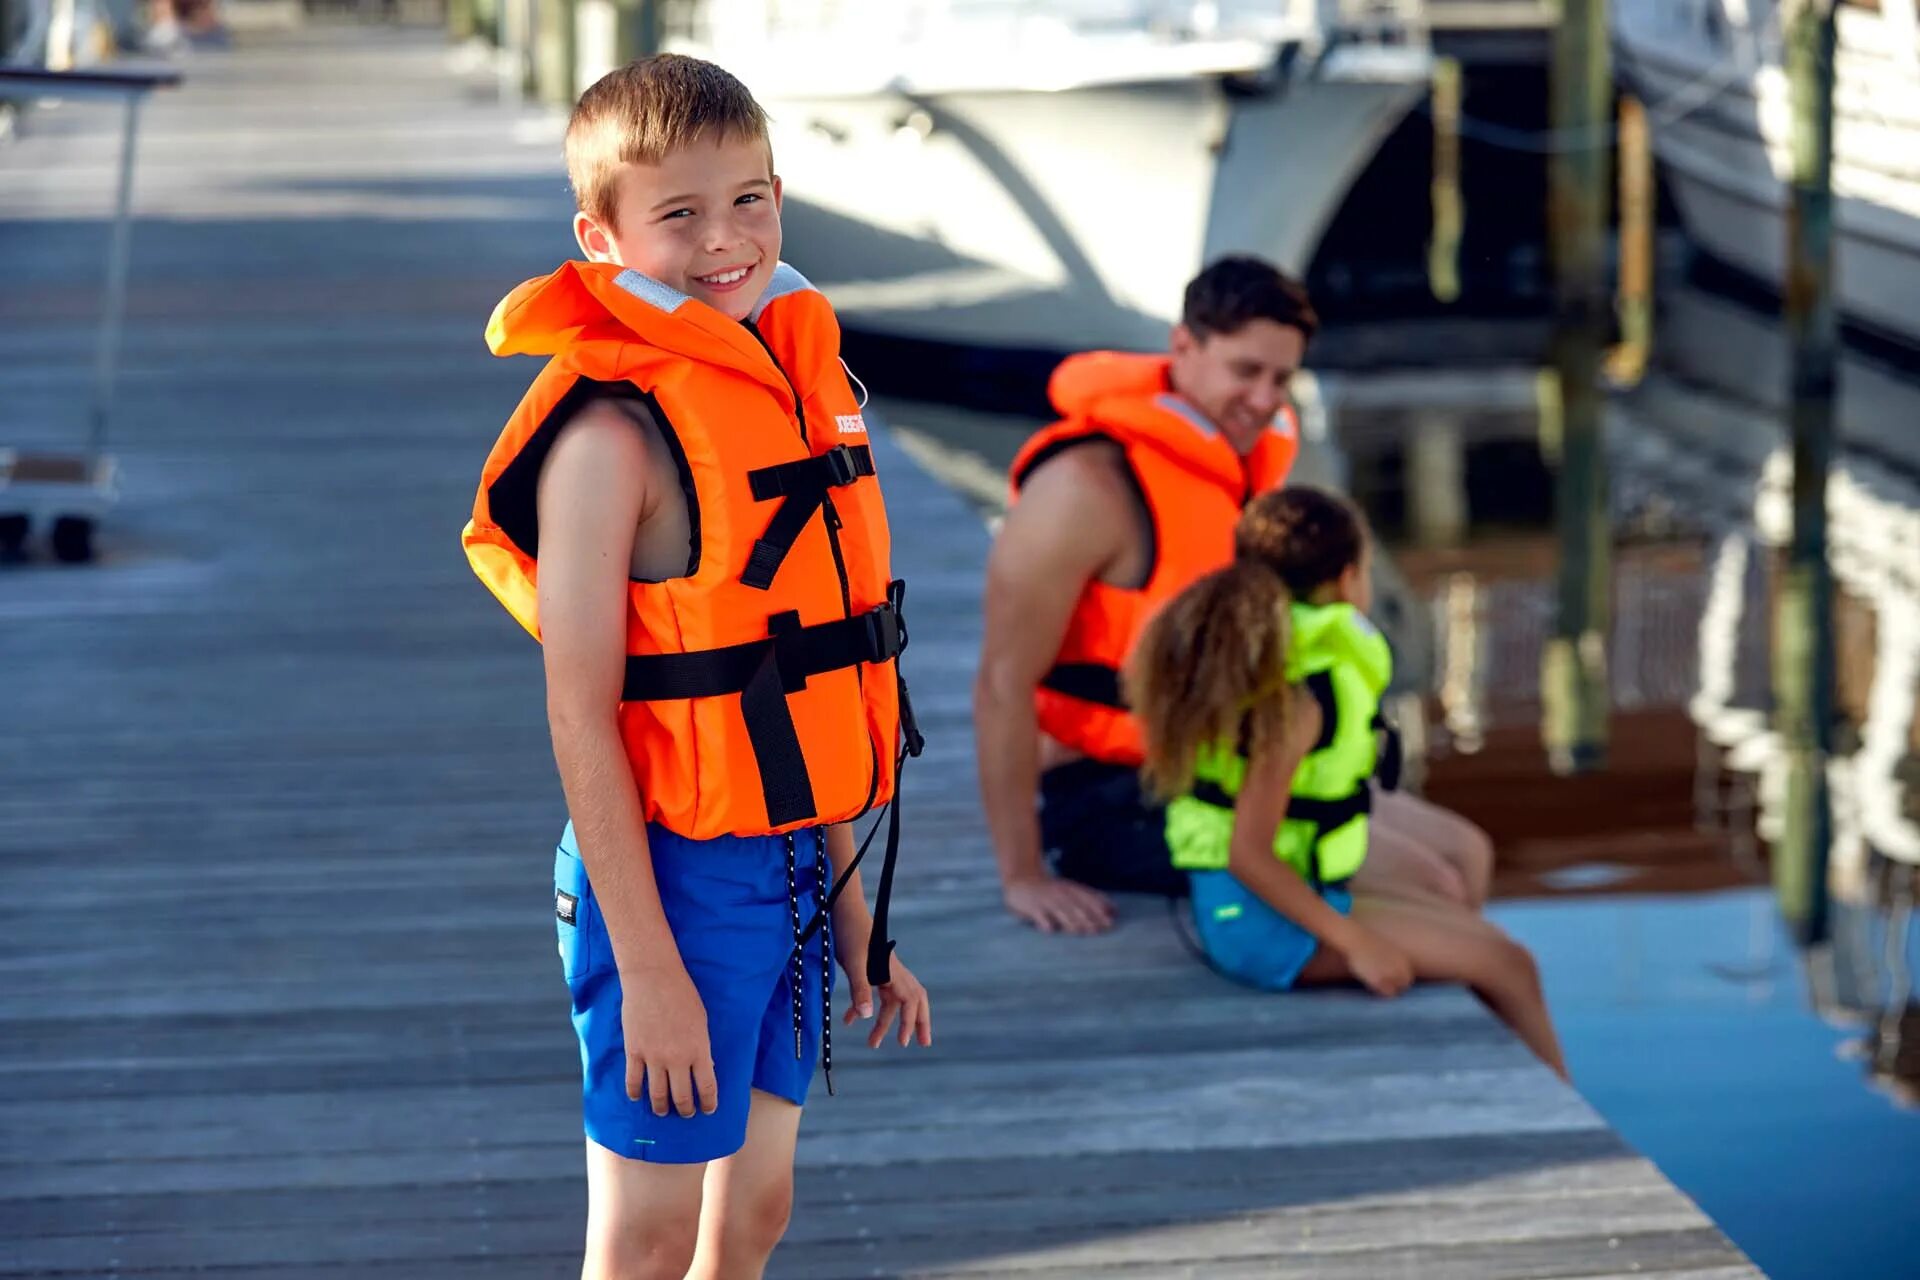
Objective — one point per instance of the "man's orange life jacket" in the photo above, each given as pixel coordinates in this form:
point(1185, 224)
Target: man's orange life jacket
point(761, 689)
point(1193, 485)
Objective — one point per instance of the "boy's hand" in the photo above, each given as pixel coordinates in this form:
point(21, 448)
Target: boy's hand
point(666, 1035)
point(903, 997)
point(1383, 967)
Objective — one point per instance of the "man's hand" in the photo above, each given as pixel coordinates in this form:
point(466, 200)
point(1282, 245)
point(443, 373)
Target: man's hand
point(666, 1033)
point(1383, 967)
point(1053, 905)
point(903, 998)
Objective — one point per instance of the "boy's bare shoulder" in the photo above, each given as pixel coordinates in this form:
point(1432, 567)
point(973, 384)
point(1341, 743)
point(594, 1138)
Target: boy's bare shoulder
point(599, 447)
point(613, 457)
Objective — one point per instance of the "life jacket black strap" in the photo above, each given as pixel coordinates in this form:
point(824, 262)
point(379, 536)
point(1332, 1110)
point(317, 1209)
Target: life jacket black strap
point(1325, 815)
point(879, 945)
point(1087, 681)
point(763, 673)
point(802, 485)
point(1328, 815)
point(1320, 685)
point(1392, 761)
point(1207, 791)
point(875, 636)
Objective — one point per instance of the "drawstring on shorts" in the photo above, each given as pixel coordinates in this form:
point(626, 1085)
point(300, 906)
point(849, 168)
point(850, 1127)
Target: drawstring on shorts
point(820, 880)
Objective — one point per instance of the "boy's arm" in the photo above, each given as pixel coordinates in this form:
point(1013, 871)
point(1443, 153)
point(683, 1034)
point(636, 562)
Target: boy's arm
point(852, 935)
point(1056, 538)
point(593, 496)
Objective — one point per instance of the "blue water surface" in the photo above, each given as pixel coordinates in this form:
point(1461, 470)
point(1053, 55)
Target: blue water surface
point(1687, 1024)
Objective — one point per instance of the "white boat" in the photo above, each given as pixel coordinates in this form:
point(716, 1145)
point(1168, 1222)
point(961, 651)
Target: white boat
point(1712, 74)
point(1049, 176)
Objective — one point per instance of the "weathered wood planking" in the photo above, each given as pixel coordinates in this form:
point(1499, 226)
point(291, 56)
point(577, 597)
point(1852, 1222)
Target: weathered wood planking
point(279, 996)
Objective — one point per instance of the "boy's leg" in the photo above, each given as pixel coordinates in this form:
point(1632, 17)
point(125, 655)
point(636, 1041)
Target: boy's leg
point(749, 1195)
point(1456, 839)
point(1449, 944)
point(642, 1219)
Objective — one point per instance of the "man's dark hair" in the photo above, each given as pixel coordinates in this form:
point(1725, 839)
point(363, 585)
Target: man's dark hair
point(1233, 292)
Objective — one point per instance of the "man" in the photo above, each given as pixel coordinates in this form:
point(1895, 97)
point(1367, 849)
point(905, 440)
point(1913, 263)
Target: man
point(1129, 498)
point(1117, 507)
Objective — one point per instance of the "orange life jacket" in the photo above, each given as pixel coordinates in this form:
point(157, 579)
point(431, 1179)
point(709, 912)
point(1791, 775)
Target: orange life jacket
point(761, 689)
point(1193, 485)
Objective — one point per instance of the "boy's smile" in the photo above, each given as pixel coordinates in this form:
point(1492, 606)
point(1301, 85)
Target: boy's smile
point(704, 220)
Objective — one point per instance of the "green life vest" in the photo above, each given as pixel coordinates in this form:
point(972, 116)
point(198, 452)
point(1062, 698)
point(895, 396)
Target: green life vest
point(1344, 662)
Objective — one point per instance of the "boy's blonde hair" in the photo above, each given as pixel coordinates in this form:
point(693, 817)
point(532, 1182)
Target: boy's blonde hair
point(644, 111)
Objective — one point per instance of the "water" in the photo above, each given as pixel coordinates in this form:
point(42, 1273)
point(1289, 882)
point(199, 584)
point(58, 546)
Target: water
point(1687, 1025)
point(1690, 1021)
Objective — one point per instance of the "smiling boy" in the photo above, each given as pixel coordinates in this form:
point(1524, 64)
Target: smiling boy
point(683, 509)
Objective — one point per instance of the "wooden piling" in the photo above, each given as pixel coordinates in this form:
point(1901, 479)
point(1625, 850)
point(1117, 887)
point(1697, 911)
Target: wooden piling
point(1804, 654)
point(1449, 213)
point(1573, 678)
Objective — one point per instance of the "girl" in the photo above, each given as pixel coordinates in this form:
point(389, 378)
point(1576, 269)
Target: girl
point(1259, 688)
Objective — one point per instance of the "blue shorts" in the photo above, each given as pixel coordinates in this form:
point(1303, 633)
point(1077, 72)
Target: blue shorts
point(726, 900)
point(1249, 940)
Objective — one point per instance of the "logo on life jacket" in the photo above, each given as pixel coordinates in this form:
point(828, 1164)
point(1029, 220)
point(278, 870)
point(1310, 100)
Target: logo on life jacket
point(851, 424)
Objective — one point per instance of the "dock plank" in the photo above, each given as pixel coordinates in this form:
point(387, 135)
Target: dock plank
point(278, 995)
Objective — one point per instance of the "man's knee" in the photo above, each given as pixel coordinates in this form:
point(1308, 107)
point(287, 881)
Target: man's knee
point(1439, 878)
point(1476, 850)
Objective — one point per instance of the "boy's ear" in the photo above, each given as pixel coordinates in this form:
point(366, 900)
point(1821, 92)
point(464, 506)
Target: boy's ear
point(1182, 340)
point(779, 189)
point(594, 242)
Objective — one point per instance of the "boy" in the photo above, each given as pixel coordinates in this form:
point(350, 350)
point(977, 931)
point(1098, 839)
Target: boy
point(683, 510)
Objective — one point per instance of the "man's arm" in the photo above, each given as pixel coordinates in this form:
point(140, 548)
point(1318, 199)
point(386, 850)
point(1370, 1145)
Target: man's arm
point(593, 497)
point(1071, 522)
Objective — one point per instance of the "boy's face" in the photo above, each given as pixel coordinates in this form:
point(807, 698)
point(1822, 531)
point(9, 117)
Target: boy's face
point(1239, 379)
point(705, 220)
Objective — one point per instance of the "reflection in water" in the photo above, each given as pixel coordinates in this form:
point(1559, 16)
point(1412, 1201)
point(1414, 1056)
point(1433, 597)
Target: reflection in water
point(1683, 1015)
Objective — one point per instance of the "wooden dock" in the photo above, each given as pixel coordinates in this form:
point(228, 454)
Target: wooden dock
point(276, 807)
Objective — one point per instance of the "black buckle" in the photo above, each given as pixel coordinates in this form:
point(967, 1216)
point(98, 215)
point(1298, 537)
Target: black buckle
point(897, 601)
point(841, 470)
point(885, 635)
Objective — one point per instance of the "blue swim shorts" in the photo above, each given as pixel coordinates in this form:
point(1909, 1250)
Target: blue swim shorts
point(1247, 939)
point(733, 918)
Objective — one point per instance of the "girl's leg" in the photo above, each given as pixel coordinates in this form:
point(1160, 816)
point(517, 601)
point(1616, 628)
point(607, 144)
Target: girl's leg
point(1455, 839)
point(1399, 867)
point(749, 1195)
point(1450, 944)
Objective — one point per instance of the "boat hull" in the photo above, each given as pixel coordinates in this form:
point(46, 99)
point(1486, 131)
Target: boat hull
point(1726, 156)
point(1063, 220)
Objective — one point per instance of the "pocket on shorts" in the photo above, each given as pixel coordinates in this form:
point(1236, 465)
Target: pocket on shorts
point(581, 942)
